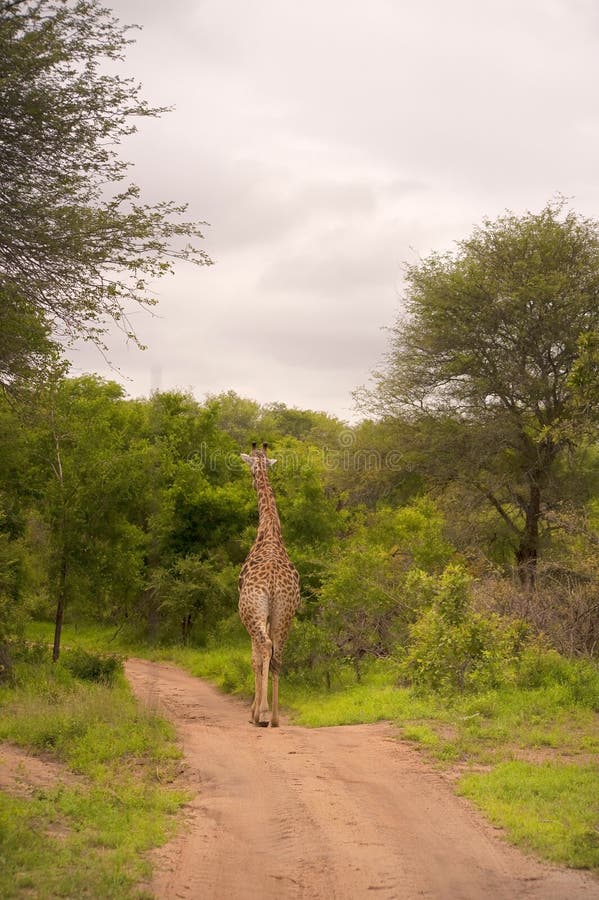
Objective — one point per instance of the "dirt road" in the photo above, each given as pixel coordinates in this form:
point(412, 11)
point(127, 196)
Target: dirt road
point(344, 812)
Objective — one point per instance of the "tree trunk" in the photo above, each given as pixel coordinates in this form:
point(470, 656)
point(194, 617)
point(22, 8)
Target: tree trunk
point(186, 623)
point(5, 662)
point(60, 604)
point(527, 553)
point(152, 614)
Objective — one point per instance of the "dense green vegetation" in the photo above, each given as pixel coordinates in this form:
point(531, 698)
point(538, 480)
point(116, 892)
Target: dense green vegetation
point(447, 543)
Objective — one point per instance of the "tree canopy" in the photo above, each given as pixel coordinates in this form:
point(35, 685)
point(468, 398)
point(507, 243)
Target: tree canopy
point(484, 365)
point(78, 245)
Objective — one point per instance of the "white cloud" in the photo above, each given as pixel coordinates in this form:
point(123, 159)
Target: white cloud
point(328, 142)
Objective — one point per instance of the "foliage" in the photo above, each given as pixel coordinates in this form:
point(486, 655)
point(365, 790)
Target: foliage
point(195, 594)
point(311, 654)
point(92, 666)
point(364, 607)
point(77, 244)
point(140, 510)
point(579, 681)
point(12, 618)
point(584, 377)
point(26, 345)
point(371, 465)
point(453, 648)
point(482, 372)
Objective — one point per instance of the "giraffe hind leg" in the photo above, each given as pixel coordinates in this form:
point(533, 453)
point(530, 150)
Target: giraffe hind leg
point(257, 668)
point(261, 656)
point(266, 653)
point(275, 666)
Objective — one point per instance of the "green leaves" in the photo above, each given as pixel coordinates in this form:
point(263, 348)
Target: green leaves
point(494, 374)
point(77, 246)
point(497, 323)
point(368, 597)
point(452, 647)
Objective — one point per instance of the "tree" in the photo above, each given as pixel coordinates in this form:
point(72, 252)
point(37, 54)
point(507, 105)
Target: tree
point(365, 601)
point(81, 470)
point(480, 369)
point(26, 347)
point(78, 246)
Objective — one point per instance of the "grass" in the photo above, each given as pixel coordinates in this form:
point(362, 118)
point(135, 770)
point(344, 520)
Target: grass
point(524, 753)
point(87, 636)
point(561, 799)
point(86, 837)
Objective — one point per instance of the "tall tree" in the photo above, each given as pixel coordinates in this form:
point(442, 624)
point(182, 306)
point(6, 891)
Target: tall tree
point(480, 369)
point(77, 434)
point(77, 244)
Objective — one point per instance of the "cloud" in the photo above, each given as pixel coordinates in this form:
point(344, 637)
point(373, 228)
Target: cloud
point(326, 144)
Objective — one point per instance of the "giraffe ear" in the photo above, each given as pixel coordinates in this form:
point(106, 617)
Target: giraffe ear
point(246, 458)
point(270, 462)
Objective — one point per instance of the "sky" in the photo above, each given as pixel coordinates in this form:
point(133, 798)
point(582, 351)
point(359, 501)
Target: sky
point(328, 143)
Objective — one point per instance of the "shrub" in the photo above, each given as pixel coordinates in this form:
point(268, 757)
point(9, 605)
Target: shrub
point(92, 666)
point(545, 668)
point(311, 654)
point(369, 597)
point(453, 648)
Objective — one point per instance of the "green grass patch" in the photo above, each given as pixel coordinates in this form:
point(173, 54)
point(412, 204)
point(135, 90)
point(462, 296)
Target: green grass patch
point(551, 808)
point(87, 636)
point(420, 734)
point(87, 837)
point(350, 705)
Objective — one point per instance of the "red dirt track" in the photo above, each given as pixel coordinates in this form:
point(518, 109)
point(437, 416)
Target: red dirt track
point(336, 813)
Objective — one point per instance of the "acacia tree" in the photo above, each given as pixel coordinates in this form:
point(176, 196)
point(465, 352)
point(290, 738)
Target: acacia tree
point(77, 244)
point(480, 368)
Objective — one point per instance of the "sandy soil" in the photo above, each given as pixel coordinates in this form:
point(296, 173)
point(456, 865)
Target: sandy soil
point(346, 812)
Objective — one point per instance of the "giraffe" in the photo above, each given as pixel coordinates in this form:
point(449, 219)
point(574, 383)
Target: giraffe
point(269, 592)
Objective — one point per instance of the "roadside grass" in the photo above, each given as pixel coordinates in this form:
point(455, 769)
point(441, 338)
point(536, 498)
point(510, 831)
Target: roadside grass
point(560, 800)
point(525, 753)
point(85, 837)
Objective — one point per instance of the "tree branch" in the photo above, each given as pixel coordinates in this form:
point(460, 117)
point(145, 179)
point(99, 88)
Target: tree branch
point(497, 505)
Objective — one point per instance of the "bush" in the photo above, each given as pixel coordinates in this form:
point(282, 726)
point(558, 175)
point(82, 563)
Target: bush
point(91, 666)
point(367, 600)
point(541, 669)
point(16, 654)
point(453, 648)
point(311, 654)
point(562, 607)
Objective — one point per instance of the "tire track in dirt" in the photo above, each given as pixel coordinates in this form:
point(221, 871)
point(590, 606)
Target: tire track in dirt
point(345, 812)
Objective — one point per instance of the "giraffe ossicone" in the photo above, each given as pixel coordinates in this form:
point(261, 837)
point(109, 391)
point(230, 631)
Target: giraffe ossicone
point(269, 592)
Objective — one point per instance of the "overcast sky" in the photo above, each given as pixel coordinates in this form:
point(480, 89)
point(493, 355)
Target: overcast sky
point(327, 142)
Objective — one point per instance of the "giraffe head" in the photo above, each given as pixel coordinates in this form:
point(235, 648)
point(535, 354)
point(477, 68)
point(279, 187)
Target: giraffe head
point(258, 460)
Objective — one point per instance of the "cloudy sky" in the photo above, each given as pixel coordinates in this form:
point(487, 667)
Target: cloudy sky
point(327, 142)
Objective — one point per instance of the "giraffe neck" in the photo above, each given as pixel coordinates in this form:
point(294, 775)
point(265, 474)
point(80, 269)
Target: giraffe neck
point(268, 516)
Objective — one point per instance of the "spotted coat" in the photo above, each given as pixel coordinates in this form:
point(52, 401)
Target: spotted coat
point(269, 593)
